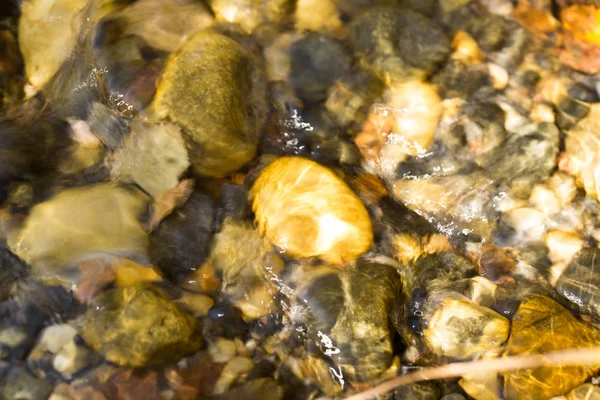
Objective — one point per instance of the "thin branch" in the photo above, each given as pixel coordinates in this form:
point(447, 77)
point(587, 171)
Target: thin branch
point(456, 370)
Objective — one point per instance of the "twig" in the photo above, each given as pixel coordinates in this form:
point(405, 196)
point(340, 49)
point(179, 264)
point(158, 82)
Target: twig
point(455, 370)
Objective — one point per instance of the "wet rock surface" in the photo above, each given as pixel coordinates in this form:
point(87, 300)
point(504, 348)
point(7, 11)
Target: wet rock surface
point(296, 199)
point(138, 326)
point(539, 321)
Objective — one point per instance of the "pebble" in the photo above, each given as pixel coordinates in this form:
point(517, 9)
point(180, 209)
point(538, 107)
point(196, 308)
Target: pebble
point(54, 338)
point(544, 200)
point(199, 304)
point(222, 350)
point(562, 245)
point(70, 359)
point(234, 370)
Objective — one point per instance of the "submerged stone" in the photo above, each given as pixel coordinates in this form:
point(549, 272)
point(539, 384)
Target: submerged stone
point(153, 156)
point(398, 43)
point(213, 88)
point(306, 210)
point(138, 326)
point(539, 326)
point(462, 329)
point(350, 314)
point(48, 33)
point(181, 242)
point(580, 282)
point(84, 222)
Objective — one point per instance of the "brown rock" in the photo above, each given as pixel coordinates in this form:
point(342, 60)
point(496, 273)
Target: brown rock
point(541, 325)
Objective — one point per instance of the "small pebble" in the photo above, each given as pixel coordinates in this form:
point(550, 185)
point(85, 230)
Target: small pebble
point(222, 350)
point(70, 359)
point(544, 200)
point(233, 371)
point(562, 245)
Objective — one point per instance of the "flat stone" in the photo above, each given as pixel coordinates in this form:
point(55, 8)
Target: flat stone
point(462, 329)
point(85, 222)
point(138, 326)
point(541, 325)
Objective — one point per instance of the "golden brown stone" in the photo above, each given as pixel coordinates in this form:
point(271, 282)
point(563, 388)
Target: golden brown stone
point(138, 326)
point(306, 210)
point(542, 325)
point(212, 88)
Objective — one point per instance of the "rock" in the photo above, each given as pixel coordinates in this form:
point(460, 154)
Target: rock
point(482, 386)
point(128, 273)
point(462, 329)
point(204, 279)
point(222, 350)
point(12, 270)
point(525, 159)
point(397, 43)
point(11, 69)
point(234, 370)
point(128, 384)
point(541, 325)
point(457, 79)
point(317, 61)
point(404, 126)
point(53, 339)
point(86, 222)
point(195, 96)
point(544, 200)
point(196, 379)
point(581, 145)
point(138, 326)
point(153, 156)
point(443, 199)
point(579, 282)
point(180, 244)
point(110, 127)
point(71, 359)
point(562, 245)
point(252, 15)
point(418, 391)
point(12, 338)
point(306, 210)
point(350, 98)
point(19, 384)
point(352, 326)
point(317, 15)
point(198, 304)
point(587, 391)
point(241, 256)
point(48, 33)
point(263, 389)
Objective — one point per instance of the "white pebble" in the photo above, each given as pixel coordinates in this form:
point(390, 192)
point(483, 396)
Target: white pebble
point(562, 246)
point(544, 200)
point(527, 221)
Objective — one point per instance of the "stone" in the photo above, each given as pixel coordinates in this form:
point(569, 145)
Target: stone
point(401, 127)
point(317, 61)
point(257, 389)
point(582, 159)
point(523, 159)
point(153, 156)
point(397, 43)
point(461, 329)
point(587, 391)
point(12, 270)
point(138, 326)
point(252, 15)
point(579, 282)
point(48, 33)
point(482, 386)
point(71, 359)
point(304, 209)
point(234, 370)
point(418, 391)
point(181, 242)
point(222, 350)
point(350, 314)
point(195, 95)
point(85, 222)
point(198, 304)
point(128, 273)
point(539, 326)
point(241, 256)
point(19, 384)
point(53, 339)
